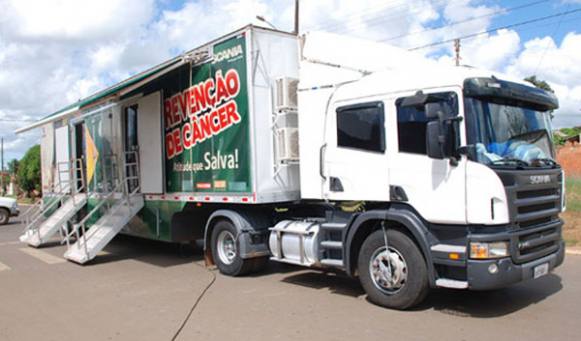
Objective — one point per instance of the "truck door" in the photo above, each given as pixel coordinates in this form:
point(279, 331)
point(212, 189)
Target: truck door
point(436, 188)
point(354, 157)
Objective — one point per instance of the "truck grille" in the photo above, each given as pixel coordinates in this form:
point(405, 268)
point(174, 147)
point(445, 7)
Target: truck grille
point(534, 211)
point(534, 243)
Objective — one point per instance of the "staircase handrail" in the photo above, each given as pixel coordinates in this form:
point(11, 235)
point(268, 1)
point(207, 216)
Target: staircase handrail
point(65, 188)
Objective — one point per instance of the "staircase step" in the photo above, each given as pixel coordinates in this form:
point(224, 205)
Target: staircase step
point(103, 231)
point(48, 228)
point(329, 244)
point(337, 263)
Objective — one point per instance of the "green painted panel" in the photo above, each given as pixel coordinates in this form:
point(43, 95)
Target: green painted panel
point(146, 223)
point(206, 124)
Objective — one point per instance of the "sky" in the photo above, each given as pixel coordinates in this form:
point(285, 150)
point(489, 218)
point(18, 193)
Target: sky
point(55, 52)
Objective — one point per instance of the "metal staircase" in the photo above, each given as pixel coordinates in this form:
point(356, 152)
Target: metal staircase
point(113, 211)
point(46, 219)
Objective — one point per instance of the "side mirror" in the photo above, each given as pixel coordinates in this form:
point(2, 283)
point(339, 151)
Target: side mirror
point(434, 110)
point(435, 140)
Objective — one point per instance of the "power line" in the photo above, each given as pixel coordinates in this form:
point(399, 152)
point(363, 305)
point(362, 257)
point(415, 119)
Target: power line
point(472, 35)
point(362, 13)
point(502, 11)
point(548, 43)
point(376, 19)
point(12, 120)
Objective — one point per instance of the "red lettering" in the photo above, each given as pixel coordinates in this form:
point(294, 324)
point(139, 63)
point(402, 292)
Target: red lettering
point(205, 127)
point(232, 82)
point(169, 146)
point(232, 112)
point(221, 91)
point(223, 117)
point(177, 141)
point(214, 122)
point(209, 92)
point(200, 99)
point(197, 134)
point(184, 103)
point(187, 135)
point(175, 110)
point(167, 114)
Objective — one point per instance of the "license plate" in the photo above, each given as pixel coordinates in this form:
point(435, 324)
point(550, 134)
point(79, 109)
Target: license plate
point(541, 270)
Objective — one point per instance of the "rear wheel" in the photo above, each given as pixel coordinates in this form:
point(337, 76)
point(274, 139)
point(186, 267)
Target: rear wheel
point(396, 277)
point(226, 254)
point(4, 216)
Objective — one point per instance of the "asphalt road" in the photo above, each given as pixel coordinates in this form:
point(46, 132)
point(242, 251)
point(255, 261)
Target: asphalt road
point(141, 290)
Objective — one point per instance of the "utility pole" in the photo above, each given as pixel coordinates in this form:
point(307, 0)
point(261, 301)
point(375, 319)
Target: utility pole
point(457, 50)
point(296, 31)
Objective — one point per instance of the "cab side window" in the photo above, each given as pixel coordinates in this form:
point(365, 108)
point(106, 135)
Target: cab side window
point(412, 122)
point(361, 127)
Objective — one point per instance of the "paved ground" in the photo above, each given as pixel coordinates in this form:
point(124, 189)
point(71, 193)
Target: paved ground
point(141, 290)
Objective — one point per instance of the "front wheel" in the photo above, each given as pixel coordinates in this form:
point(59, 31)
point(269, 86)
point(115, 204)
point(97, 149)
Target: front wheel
point(226, 255)
point(396, 278)
point(4, 216)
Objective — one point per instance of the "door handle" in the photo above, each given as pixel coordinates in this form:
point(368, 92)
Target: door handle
point(322, 151)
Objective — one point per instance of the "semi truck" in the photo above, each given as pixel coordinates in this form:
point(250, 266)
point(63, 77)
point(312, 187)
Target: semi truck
point(318, 150)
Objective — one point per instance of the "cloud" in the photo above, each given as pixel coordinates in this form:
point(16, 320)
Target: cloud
point(54, 52)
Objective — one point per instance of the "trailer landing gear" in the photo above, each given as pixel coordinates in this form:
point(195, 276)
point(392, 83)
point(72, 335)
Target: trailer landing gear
point(397, 278)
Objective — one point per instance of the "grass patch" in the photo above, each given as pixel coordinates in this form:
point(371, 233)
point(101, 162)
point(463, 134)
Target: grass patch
point(573, 190)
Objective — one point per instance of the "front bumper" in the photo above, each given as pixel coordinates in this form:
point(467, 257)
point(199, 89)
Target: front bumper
point(14, 212)
point(528, 248)
point(479, 277)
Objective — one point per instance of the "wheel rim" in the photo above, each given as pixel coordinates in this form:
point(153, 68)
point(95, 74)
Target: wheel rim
point(380, 264)
point(226, 247)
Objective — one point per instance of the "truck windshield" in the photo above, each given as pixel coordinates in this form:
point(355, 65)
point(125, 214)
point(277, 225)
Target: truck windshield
point(507, 134)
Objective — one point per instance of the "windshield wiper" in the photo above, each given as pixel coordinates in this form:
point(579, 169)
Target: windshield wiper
point(549, 162)
point(508, 160)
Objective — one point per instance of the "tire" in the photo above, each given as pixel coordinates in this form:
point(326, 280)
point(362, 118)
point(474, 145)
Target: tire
point(225, 252)
point(407, 264)
point(4, 216)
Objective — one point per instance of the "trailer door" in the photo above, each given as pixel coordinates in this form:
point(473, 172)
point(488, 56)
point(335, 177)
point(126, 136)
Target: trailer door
point(62, 156)
point(149, 137)
point(355, 160)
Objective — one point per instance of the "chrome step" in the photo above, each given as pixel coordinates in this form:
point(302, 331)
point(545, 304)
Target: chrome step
point(451, 283)
point(333, 226)
point(336, 263)
point(329, 244)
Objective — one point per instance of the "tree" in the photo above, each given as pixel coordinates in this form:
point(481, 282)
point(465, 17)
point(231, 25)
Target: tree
point(29, 170)
point(541, 84)
point(13, 166)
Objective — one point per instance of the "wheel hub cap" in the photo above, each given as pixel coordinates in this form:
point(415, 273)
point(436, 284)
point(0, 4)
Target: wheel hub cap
point(388, 271)
point(226, 247)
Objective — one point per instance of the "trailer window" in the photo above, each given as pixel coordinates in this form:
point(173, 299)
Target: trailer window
point(412, 123)
point(361, 127)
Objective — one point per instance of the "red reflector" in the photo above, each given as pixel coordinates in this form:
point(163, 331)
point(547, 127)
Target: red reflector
point(207, 198)
point(176, 198)
point(224, 199)
point(244, 199)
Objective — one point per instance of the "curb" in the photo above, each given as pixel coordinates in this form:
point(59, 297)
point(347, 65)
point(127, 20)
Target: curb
point(573, 252)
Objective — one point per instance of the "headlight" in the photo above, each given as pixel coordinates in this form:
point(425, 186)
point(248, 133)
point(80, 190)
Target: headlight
point(491, 250)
